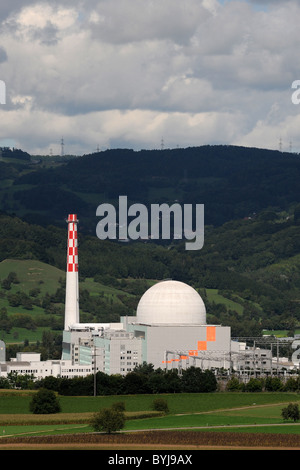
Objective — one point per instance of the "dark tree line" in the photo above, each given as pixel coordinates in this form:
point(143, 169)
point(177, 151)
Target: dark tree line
point(144, 379)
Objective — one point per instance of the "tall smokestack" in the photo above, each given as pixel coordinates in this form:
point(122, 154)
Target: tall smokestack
point(72, 288)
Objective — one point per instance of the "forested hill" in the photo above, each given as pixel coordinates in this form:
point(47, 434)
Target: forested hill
point(232, 182)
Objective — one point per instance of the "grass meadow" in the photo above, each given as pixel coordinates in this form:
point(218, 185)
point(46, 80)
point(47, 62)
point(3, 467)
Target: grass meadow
point(234, 412)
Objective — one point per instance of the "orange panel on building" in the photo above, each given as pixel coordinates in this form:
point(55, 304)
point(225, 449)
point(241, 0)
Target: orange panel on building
point(202, 346)
point(193, 352)
point(211, 333)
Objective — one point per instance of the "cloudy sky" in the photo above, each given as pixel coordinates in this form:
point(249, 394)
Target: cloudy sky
point(133, 73)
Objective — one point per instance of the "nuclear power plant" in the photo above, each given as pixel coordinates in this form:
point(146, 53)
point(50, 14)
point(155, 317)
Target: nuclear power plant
point(169, 331)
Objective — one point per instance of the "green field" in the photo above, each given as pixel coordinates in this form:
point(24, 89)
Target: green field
point(18, 402)
point(234, 412)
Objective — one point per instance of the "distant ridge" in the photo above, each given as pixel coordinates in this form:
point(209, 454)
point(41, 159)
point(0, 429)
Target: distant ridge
point(232, 182)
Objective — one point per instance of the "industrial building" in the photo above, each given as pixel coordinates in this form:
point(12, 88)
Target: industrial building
point(169, 331)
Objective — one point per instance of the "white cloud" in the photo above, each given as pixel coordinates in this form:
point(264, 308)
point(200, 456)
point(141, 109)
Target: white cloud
point(128, 72)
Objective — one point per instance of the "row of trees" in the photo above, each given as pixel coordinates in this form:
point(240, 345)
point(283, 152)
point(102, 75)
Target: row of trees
point(144, 379)
point(147, 380)
point(136, 382)
point(268, 384)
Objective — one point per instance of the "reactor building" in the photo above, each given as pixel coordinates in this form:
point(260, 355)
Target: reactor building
point(169, 330)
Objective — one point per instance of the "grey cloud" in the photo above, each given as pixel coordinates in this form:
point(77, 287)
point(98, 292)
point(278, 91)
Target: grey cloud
point(134, 70)
point(46, 35)
point(3, 54)
point(136, 20)
point(12, 6)
point(274, 2)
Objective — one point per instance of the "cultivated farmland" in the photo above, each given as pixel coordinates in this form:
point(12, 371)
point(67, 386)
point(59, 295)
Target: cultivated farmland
point(219, 420)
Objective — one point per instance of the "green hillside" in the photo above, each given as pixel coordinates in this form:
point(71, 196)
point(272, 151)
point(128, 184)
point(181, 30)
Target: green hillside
point(32, 274)
point(213, 296)
point(32, 297)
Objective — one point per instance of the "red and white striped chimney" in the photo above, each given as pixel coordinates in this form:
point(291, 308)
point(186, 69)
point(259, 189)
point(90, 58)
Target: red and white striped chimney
point(72, 284)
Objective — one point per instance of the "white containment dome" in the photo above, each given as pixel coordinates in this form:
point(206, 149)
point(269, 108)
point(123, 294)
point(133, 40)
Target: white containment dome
point(171, 302)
